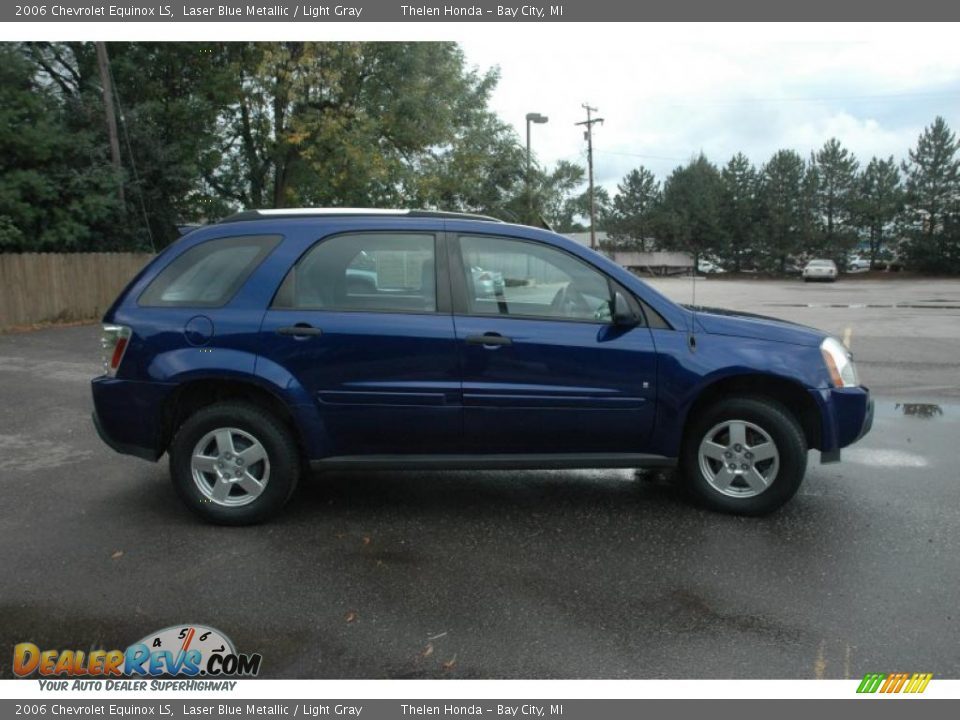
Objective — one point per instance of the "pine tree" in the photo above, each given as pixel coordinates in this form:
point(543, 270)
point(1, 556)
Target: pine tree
point(836, 188)
point(879, 201)
point(932, 189)
point(738, 211)
point(782, 209)
point(634, 205)
point(688, 217)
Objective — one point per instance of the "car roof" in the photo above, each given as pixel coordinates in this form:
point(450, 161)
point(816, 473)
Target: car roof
point(330, 212)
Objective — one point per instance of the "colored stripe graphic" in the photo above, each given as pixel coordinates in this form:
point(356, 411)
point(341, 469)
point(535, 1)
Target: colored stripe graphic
point(894, 682)
point(870, 683)
point(919, 682)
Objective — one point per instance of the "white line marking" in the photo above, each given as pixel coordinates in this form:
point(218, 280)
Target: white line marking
point(847, 335)
point(885, 458)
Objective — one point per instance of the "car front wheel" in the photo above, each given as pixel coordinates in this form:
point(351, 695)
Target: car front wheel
point(233, 463)
point(745, 456)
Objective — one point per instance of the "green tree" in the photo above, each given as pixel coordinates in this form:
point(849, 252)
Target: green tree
point(932, 188)
point(782, 209)
point(738, 211)
point(363, 124)
point(836, 189)
point(207, 128)
point(811, 218)
point(634, 206)
point(688, 218)
point(56, 189)
point(576, 211)
point(482, 170)
point(879, 202)
point(554, 194)
point(168, 99)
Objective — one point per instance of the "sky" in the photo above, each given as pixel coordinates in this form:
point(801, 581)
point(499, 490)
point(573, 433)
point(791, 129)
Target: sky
point(668, 92)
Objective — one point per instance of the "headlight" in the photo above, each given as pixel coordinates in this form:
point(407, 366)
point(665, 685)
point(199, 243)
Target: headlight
point(839, 362)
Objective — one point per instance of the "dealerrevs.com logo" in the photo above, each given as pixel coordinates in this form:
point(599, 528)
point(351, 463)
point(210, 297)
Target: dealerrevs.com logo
point(887, 683)
point(178, 651)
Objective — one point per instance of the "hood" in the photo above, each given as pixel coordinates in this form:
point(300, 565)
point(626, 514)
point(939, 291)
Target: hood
point(719, 321)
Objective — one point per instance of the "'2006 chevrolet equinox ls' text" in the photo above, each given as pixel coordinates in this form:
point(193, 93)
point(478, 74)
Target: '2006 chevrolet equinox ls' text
point(275, 341)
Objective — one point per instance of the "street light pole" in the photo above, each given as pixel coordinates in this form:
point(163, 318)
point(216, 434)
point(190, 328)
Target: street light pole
point(539, 119)
point(588, 136)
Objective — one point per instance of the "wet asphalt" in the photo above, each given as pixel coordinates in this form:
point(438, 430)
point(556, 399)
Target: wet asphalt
point(574, 574)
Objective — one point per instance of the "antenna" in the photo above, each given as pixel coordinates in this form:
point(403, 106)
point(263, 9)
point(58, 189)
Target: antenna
point(692, 338)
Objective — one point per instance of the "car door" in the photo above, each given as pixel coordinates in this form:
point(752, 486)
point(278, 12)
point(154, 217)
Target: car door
point(544, 368)
point(362, 323)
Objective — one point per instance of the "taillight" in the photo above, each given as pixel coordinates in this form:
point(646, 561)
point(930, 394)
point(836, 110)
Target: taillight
point(114, 342)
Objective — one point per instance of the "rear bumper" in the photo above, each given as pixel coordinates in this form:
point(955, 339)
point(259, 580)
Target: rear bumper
point(846, 416)
point(127, 415)
point(145, 453)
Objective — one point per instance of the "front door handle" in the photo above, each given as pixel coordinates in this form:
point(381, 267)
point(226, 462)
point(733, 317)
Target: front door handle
point(488, 339)
point(299, 330)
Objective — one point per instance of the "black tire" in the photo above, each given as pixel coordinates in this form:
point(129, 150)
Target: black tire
point(783, 430)
point(275, 438)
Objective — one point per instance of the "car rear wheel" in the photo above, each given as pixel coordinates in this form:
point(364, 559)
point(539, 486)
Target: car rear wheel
point(234, 464)
point(745, 456)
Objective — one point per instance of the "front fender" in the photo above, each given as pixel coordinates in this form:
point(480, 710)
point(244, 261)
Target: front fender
point(685, 374)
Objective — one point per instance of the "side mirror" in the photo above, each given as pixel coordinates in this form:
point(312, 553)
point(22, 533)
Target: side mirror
point(623, 314)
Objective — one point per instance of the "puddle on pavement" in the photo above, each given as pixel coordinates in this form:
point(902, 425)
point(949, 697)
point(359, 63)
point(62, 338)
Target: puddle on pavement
point(908, 435)
point(921, 410)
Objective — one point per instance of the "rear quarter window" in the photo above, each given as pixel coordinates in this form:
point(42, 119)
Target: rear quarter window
point(209, 274)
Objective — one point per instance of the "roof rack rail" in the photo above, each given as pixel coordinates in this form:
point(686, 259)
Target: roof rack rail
point(351, 212)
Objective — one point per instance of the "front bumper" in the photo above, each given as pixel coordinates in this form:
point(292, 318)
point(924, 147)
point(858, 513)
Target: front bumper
point(846, 416)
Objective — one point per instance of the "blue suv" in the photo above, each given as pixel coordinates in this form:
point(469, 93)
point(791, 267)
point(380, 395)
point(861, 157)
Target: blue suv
point(275, 342)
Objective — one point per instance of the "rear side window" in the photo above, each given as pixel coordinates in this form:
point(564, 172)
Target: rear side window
point(209, 274)
point(376, 272)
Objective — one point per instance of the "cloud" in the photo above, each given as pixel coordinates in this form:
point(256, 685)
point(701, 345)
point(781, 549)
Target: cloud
point(668, 92)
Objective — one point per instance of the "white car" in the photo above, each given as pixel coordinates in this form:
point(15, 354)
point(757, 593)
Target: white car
point(855, 264)
point(708, 267)
point(820, 269)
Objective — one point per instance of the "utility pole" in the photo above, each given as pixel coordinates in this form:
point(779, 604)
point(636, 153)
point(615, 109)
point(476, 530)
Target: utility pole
point(104, 65)
point(588, 136)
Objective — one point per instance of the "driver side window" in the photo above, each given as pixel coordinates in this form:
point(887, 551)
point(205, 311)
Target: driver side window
point(527, 279)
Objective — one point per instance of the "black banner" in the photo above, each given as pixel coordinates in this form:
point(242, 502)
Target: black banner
point(477, 11)
point(493, 710)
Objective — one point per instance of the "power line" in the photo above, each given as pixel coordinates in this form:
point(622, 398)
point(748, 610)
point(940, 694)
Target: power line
point(133, 163)
point(826, 98)
point(648, 157)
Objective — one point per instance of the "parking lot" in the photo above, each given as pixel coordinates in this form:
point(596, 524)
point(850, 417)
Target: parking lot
point(599, 574)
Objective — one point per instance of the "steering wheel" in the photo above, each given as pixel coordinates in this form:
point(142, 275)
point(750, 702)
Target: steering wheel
point(568, 302)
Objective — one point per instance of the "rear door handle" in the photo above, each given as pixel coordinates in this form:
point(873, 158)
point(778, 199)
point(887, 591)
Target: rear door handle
point(488, 339)
point(299, 330)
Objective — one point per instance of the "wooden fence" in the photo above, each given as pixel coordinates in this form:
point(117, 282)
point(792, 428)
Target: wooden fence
point(62, 287)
